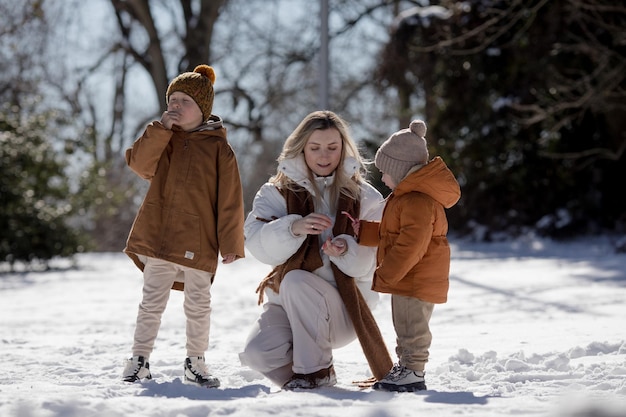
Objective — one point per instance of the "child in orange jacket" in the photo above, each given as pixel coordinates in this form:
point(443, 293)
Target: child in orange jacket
point(413, 259)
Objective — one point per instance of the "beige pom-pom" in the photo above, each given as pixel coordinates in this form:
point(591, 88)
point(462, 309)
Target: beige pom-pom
point(418, 127)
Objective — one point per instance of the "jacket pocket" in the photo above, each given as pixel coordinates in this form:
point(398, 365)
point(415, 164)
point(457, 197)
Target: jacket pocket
point(146, 233)
point(185, 237)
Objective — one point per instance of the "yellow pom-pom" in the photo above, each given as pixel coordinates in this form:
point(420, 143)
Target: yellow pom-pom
point(207, 71)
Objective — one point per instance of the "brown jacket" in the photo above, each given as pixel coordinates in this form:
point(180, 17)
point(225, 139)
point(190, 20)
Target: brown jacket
point(413, 253)
point(194, 206)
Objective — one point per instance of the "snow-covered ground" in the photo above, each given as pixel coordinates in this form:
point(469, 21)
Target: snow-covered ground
point(531, 328)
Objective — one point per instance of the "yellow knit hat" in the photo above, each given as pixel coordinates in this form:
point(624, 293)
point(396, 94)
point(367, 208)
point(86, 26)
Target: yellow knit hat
point(198, 85)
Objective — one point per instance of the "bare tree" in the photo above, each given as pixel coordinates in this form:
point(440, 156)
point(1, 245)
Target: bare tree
point(512, 84)
point(195, 36)
point(589, 76)
point(267, 62)
point(23, 30)
point(587, 69)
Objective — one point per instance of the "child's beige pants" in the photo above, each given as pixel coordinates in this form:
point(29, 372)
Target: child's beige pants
point(413, 338)
point(159, 275)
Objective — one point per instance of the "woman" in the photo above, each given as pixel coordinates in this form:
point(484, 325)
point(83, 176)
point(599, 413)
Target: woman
point(318, 294)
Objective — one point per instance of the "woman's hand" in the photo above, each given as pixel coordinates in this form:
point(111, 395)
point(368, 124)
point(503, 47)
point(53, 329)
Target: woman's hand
point(313, 224)
point(335, 247)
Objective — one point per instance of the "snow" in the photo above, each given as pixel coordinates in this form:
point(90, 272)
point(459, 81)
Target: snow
point(531, 328)
point(421, 15)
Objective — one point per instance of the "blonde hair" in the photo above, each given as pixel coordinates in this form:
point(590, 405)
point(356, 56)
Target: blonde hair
point(294, 146)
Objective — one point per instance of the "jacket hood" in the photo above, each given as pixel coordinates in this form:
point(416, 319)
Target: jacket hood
point(435, 180)
point(214, 123)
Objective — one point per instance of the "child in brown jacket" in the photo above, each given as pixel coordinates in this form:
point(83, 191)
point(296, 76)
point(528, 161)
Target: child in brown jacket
point(193, 211)
point(413, 259)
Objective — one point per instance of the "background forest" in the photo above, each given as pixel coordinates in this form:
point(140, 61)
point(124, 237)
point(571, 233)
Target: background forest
point(525, 100)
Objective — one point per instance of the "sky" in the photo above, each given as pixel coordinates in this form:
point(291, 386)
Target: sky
point(531, 328)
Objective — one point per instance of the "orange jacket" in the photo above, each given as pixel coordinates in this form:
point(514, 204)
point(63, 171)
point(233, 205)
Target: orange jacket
point(194, 207)
point(413, 256)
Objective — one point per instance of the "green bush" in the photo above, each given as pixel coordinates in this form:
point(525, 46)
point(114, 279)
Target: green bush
point(34, 194)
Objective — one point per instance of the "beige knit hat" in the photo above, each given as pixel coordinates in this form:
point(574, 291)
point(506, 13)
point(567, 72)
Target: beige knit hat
point(402, 151)
point(198, 85)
